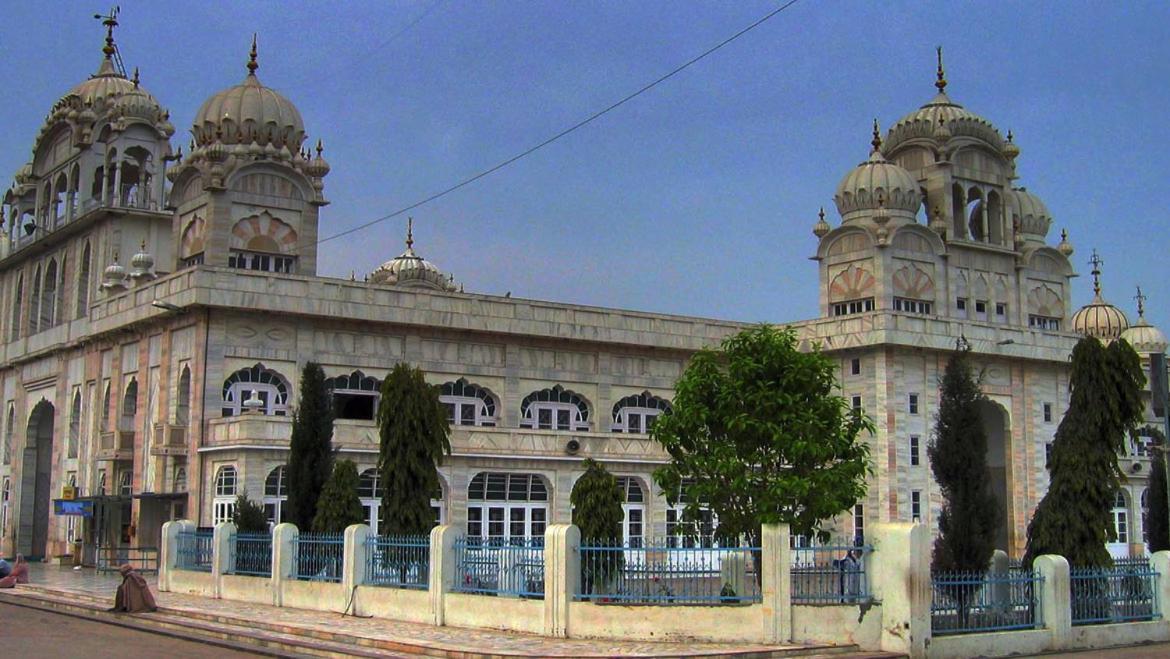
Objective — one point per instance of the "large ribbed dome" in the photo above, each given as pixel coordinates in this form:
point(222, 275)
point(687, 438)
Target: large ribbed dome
point(942, 112)
point(1144, 337)
point(1032, 213)
point(411, 270)
point(247, 113)
point(105, 85)
point(877, 183)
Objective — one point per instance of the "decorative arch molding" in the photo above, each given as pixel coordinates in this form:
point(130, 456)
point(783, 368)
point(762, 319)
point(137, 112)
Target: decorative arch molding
point(919, 240)
point(273, 181)
point(845, 240)
point(852, 283)
point(192, 240)
point(270, 386)
point(1043, 300)
point(911, 281)
point(263, 233)
point(188, 186)
point(555, 408)
point(1049, 260)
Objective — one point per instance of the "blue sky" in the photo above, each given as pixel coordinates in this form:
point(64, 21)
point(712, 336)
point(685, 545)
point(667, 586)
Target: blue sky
point(696, 198)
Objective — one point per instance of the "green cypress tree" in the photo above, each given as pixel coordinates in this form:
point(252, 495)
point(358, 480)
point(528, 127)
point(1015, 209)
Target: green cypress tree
point(1073, 519)
point(310, 458)
point(339, 505)
point(1157, 524)
point(597, 511)
point(958, 458)
point(248, 516)
point(414, 438)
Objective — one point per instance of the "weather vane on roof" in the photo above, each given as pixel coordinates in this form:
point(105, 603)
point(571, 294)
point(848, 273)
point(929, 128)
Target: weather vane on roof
point(110, 20)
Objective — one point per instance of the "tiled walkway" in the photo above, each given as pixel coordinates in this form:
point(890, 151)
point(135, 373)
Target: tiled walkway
point(86, 581)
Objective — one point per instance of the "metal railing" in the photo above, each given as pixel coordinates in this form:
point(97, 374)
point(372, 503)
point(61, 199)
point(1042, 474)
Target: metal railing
point(1122, 593)
point(967, 602)
point(398, 561)
point(251, 554)
point(513, 567)
point(829, 574)
point(664, 571)
point(195, 550)
point(143, 559)
point(318, 556)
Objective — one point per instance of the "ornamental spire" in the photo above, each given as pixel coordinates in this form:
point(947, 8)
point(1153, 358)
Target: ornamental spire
point(941, 82)
point(252, 64)
point(877, 136)
point(409, 233)
point(1096, 262)
point(109, 20)
point(1141, 302)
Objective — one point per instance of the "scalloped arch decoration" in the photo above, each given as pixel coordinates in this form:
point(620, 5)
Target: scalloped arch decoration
point(263, 233)
point(1044, 301)
point(913, 282)
point(191, 242)
point(850, 242)
point(852, 283)
point(912, 242)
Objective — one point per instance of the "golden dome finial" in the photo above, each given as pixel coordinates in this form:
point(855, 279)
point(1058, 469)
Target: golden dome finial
point(1096, 262)
point(109, 20)
point(252, 63)
point(877, 136)
point(410, 233)
point(941, 82)
point(1141, 301)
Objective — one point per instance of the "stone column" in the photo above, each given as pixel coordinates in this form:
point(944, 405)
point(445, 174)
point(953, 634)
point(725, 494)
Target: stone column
point(168, 551)
point(1160, 562)
point(353, 572)
point(284, 549)
point(223, 560)
point(562, 570)
point(1001, 590)
point(901, 581)
point(442, 575)
point(776, 583)
point(1054, 604)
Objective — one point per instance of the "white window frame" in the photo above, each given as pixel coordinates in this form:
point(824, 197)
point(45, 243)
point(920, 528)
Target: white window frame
point(915, 450)
point(269, 385)
point(276, 502)
point(575, 405)
point(633, 506)
point(367, 387)
point(262, 261)
point(532, 514)
point(915, 505)
point(223, 503)
point(636, 414)
point(913, 402)
point(1120, 516)
point(460, 397)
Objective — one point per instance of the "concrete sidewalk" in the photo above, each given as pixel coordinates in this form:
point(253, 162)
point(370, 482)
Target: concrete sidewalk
point(63, 587)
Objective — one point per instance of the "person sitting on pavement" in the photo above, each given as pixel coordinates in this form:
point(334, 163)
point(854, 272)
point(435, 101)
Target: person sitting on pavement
point(19, 574)
point(134, 595)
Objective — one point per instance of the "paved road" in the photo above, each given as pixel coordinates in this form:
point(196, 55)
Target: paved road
point(1131, 652)
point(27, 632)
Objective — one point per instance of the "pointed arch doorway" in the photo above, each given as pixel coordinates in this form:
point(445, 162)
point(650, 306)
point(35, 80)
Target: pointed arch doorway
point(35, 478)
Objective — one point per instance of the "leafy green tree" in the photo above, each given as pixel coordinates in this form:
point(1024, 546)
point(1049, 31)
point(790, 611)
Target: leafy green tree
point(759, 435)
point(1156, 523)
point(339, 505)
point(310, 459)
point(958, 458)
point(248, 515)
point(597, 511)
point(1105, 405)
point(414, 432)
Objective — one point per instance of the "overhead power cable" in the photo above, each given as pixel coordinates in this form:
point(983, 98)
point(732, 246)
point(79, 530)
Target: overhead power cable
point(580, 124)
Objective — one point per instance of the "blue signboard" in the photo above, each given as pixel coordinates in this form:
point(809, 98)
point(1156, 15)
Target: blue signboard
point(72, 507)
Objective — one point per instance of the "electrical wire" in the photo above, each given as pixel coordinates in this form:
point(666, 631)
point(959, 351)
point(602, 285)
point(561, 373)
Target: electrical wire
point(580, 124)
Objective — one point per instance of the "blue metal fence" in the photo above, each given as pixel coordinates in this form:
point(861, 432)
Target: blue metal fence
point(1122, 593)
point(660, 571)
point(830, 573)
point(318, 556)
point(194, 552)
point(967, 602)
point(497, 567)
point(398, 561)
point(252, 554)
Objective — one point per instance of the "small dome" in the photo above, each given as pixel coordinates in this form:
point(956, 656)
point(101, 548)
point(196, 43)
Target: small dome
point(248, 114)
point(411, 270)
point(102, 87)
point(941, 111)
point(114, 275)
point(821, 227)
point(138, 104)
point(1099, 318)
point(1144, 337)
point(877, 183)
point(142, 263)
point(1034, 217)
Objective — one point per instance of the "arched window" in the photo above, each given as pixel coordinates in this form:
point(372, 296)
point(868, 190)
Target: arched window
point(633, 509)
point(507, 508)
point(686, 533)
point(1145, 515)
point(554, 409)
point(468, 404)
point(5, 497)
point(74, 424)
point(48, 295)
point(275, 495)
point(129, 407)
point(106, 408)
point(370, 490)
point(355, 396)
point(101, 484)
point(223, 505)
point(17, 301)
point(636, 413)
point(83, 281)
point(9, 431)
point(1120, 521)
point(59, 314)
point(126, 482)
point(183, 399)
point(270, 387)
point(34, 304)
point(180, 479)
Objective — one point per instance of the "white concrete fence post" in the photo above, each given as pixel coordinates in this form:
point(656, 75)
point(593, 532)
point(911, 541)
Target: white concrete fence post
point(776, 582)
point(901, 581)
point(1055, 600)
point(998, 567)
point(441, 579)
point(353, 572)
point(562, 571)
point(168, 558)
point(222, 558)
point(284, 549)
point(1160, 562)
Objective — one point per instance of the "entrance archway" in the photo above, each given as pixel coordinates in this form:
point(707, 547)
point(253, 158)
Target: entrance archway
point(996, 424)
point(36, 471)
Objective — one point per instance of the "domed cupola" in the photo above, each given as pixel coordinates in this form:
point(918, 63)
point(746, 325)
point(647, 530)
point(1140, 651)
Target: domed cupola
point(114, 277)
point(411, 270)
point(1098, 318)
point(1033, 216)
point(1144, 337)
point(941, 118)
point(877, 185)
point(250, 114)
